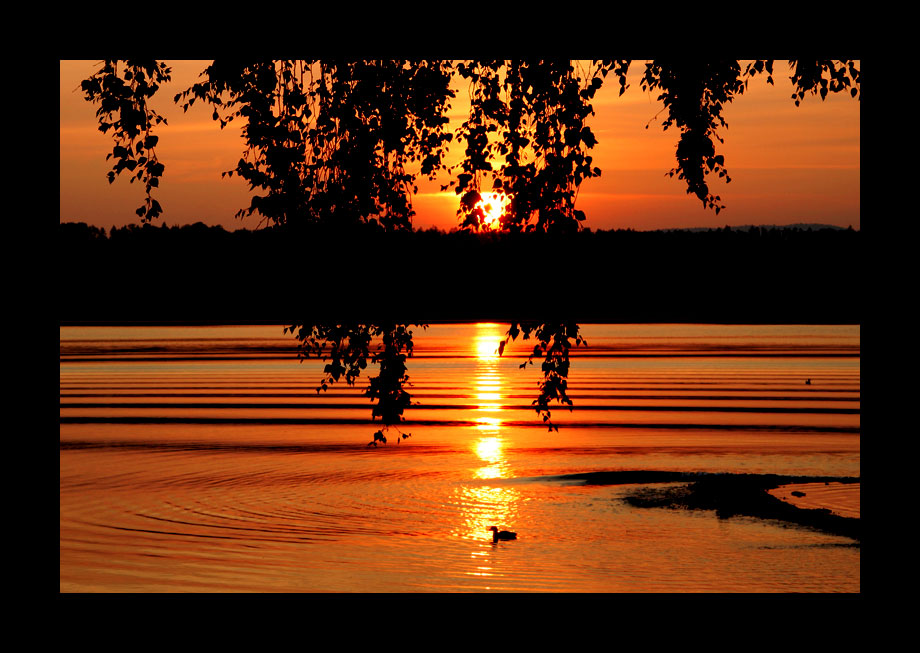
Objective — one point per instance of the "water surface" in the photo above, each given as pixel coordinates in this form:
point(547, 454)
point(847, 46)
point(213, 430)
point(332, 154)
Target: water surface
point(203, 459)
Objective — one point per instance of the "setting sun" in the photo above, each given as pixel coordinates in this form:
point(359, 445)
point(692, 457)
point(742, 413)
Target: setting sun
point(493, 206)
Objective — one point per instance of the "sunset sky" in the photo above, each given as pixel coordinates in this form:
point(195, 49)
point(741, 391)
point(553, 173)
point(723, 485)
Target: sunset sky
point(788, 164)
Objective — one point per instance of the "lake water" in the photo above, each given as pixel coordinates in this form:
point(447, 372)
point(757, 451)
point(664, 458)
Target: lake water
point(202, 459)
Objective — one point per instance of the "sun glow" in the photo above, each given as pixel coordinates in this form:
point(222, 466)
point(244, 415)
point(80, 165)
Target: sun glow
point(487, 347)
point(493, 206)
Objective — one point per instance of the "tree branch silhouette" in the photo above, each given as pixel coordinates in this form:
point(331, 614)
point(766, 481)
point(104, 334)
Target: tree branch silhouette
point(122, 92)
point(341, 143)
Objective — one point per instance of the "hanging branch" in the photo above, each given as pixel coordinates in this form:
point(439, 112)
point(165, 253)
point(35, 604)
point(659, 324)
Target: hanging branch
point(123, 106)
point(527, 137)
point(347, 347)
point(694, 93)
point(333, 146)
point(554, 343)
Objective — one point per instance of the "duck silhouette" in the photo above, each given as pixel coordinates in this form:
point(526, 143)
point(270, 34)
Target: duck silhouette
point(501, 535)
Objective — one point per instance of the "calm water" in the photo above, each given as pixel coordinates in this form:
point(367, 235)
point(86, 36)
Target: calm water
point(203, 459)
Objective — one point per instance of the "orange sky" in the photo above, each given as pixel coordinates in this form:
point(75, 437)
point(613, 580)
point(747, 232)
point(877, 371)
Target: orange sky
point(788, 164)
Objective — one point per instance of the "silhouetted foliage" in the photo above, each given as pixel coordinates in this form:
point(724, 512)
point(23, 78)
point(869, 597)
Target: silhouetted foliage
point(348, 347)
point(194, 272)
point(332, 139)
point(340, 144)
point(554, 340)
point(695, 92)
point(537, 112)
point(123, 89)
point(76, 234)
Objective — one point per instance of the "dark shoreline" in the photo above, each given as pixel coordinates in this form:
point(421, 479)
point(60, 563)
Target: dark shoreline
point(728, 495)
point(207, 275)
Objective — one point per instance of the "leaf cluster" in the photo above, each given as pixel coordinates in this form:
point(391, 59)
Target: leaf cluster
point(347, 347)
point(823, 77)
point(332, 138)
point(527, 137)
point(122, 90)
point(816, 77)
point(554, 342)
point(694, 93)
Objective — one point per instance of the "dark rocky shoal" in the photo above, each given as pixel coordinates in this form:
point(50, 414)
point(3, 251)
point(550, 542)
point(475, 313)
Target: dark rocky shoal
point(728, 495)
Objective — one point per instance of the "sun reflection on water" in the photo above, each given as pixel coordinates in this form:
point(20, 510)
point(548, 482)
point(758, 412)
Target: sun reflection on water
point(487, 340)
point(489, 450)
point(489, 396)
point(484, 504)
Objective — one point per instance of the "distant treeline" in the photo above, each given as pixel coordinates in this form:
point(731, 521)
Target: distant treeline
point(201, 273)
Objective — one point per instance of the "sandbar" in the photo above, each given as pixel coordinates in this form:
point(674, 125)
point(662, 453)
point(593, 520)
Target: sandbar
point(829, 504)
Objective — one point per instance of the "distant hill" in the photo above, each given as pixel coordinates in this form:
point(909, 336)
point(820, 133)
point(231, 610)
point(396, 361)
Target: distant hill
point(804, 226)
